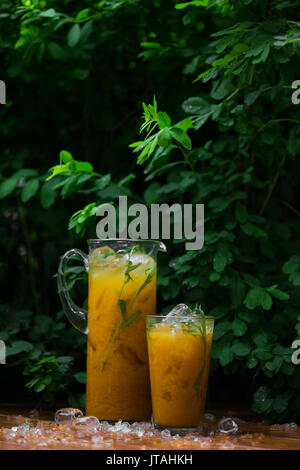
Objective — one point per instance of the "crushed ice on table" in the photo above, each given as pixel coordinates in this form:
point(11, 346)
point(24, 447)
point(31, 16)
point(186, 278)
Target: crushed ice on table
point(228, 426)
point(92, 433)
point(67, 415)
point(122, 426)
point(138, 429)
point(287, 427)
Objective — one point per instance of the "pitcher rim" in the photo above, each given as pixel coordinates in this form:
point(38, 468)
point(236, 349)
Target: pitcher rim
point(124, 240)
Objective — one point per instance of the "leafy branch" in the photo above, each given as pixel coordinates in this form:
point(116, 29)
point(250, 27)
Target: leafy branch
point(165, 135)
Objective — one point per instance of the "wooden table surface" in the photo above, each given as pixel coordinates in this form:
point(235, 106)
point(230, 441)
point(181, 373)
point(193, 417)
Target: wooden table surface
point(21, 429)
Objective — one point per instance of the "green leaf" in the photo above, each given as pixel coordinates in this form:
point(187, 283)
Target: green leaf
point(163, 137)
point(25, 173)
point(7, 187)
point(64, 359)
point(252, 97)
point(17, 347)
point(239, 327)
point(241, 213)
point(181, 137)
point(220, 261)
point(263, 353)
point(253, 230)
point(261, 394)
point(292, 268)
point(287, 369)
point(164, 120)
point(196, 105)
point(221, 329)
point(263, 406)
point(186, 124)
point(122, 305)
point(65, 157)
point(151, 45)
point(263, 56)
point(130, 320)
point(281, 402)
point(40, 386)
point(56, 51)
point(238, 289)
point(258, 297)
point(29, 189)
point(280, 295)
point(214, 277)
point(227, 356)
point(47, 195)
point(252, 362)
point(80, 377)
point(260, 338)
point(83, 14)
point(241, 349)
point(74, 35)
point(84, 167)
point(50, 13)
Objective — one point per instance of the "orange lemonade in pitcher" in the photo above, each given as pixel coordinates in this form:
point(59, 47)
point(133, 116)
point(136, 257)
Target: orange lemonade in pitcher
point(122, 291)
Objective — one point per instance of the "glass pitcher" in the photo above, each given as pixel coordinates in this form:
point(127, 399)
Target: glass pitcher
point(121, 292)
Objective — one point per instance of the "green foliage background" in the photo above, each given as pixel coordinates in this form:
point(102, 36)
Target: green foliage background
point(222, 131)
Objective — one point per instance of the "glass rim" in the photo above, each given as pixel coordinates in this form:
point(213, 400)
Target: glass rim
point(181, 317)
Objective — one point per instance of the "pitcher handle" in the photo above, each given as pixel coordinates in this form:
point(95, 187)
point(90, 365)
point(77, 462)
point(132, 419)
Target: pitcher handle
point(77, 317)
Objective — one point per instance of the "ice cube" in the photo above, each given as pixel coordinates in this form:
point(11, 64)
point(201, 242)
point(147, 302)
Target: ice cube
point(291, 427)
point(145, 265)
point(228, 426)
point(67, 415)
point(121, 426)
point(86, 423)
point(180, 310)
point(165, 434)
point(105, 257)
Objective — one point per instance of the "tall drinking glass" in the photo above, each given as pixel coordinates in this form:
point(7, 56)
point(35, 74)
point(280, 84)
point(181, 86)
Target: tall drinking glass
point(179, 351)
